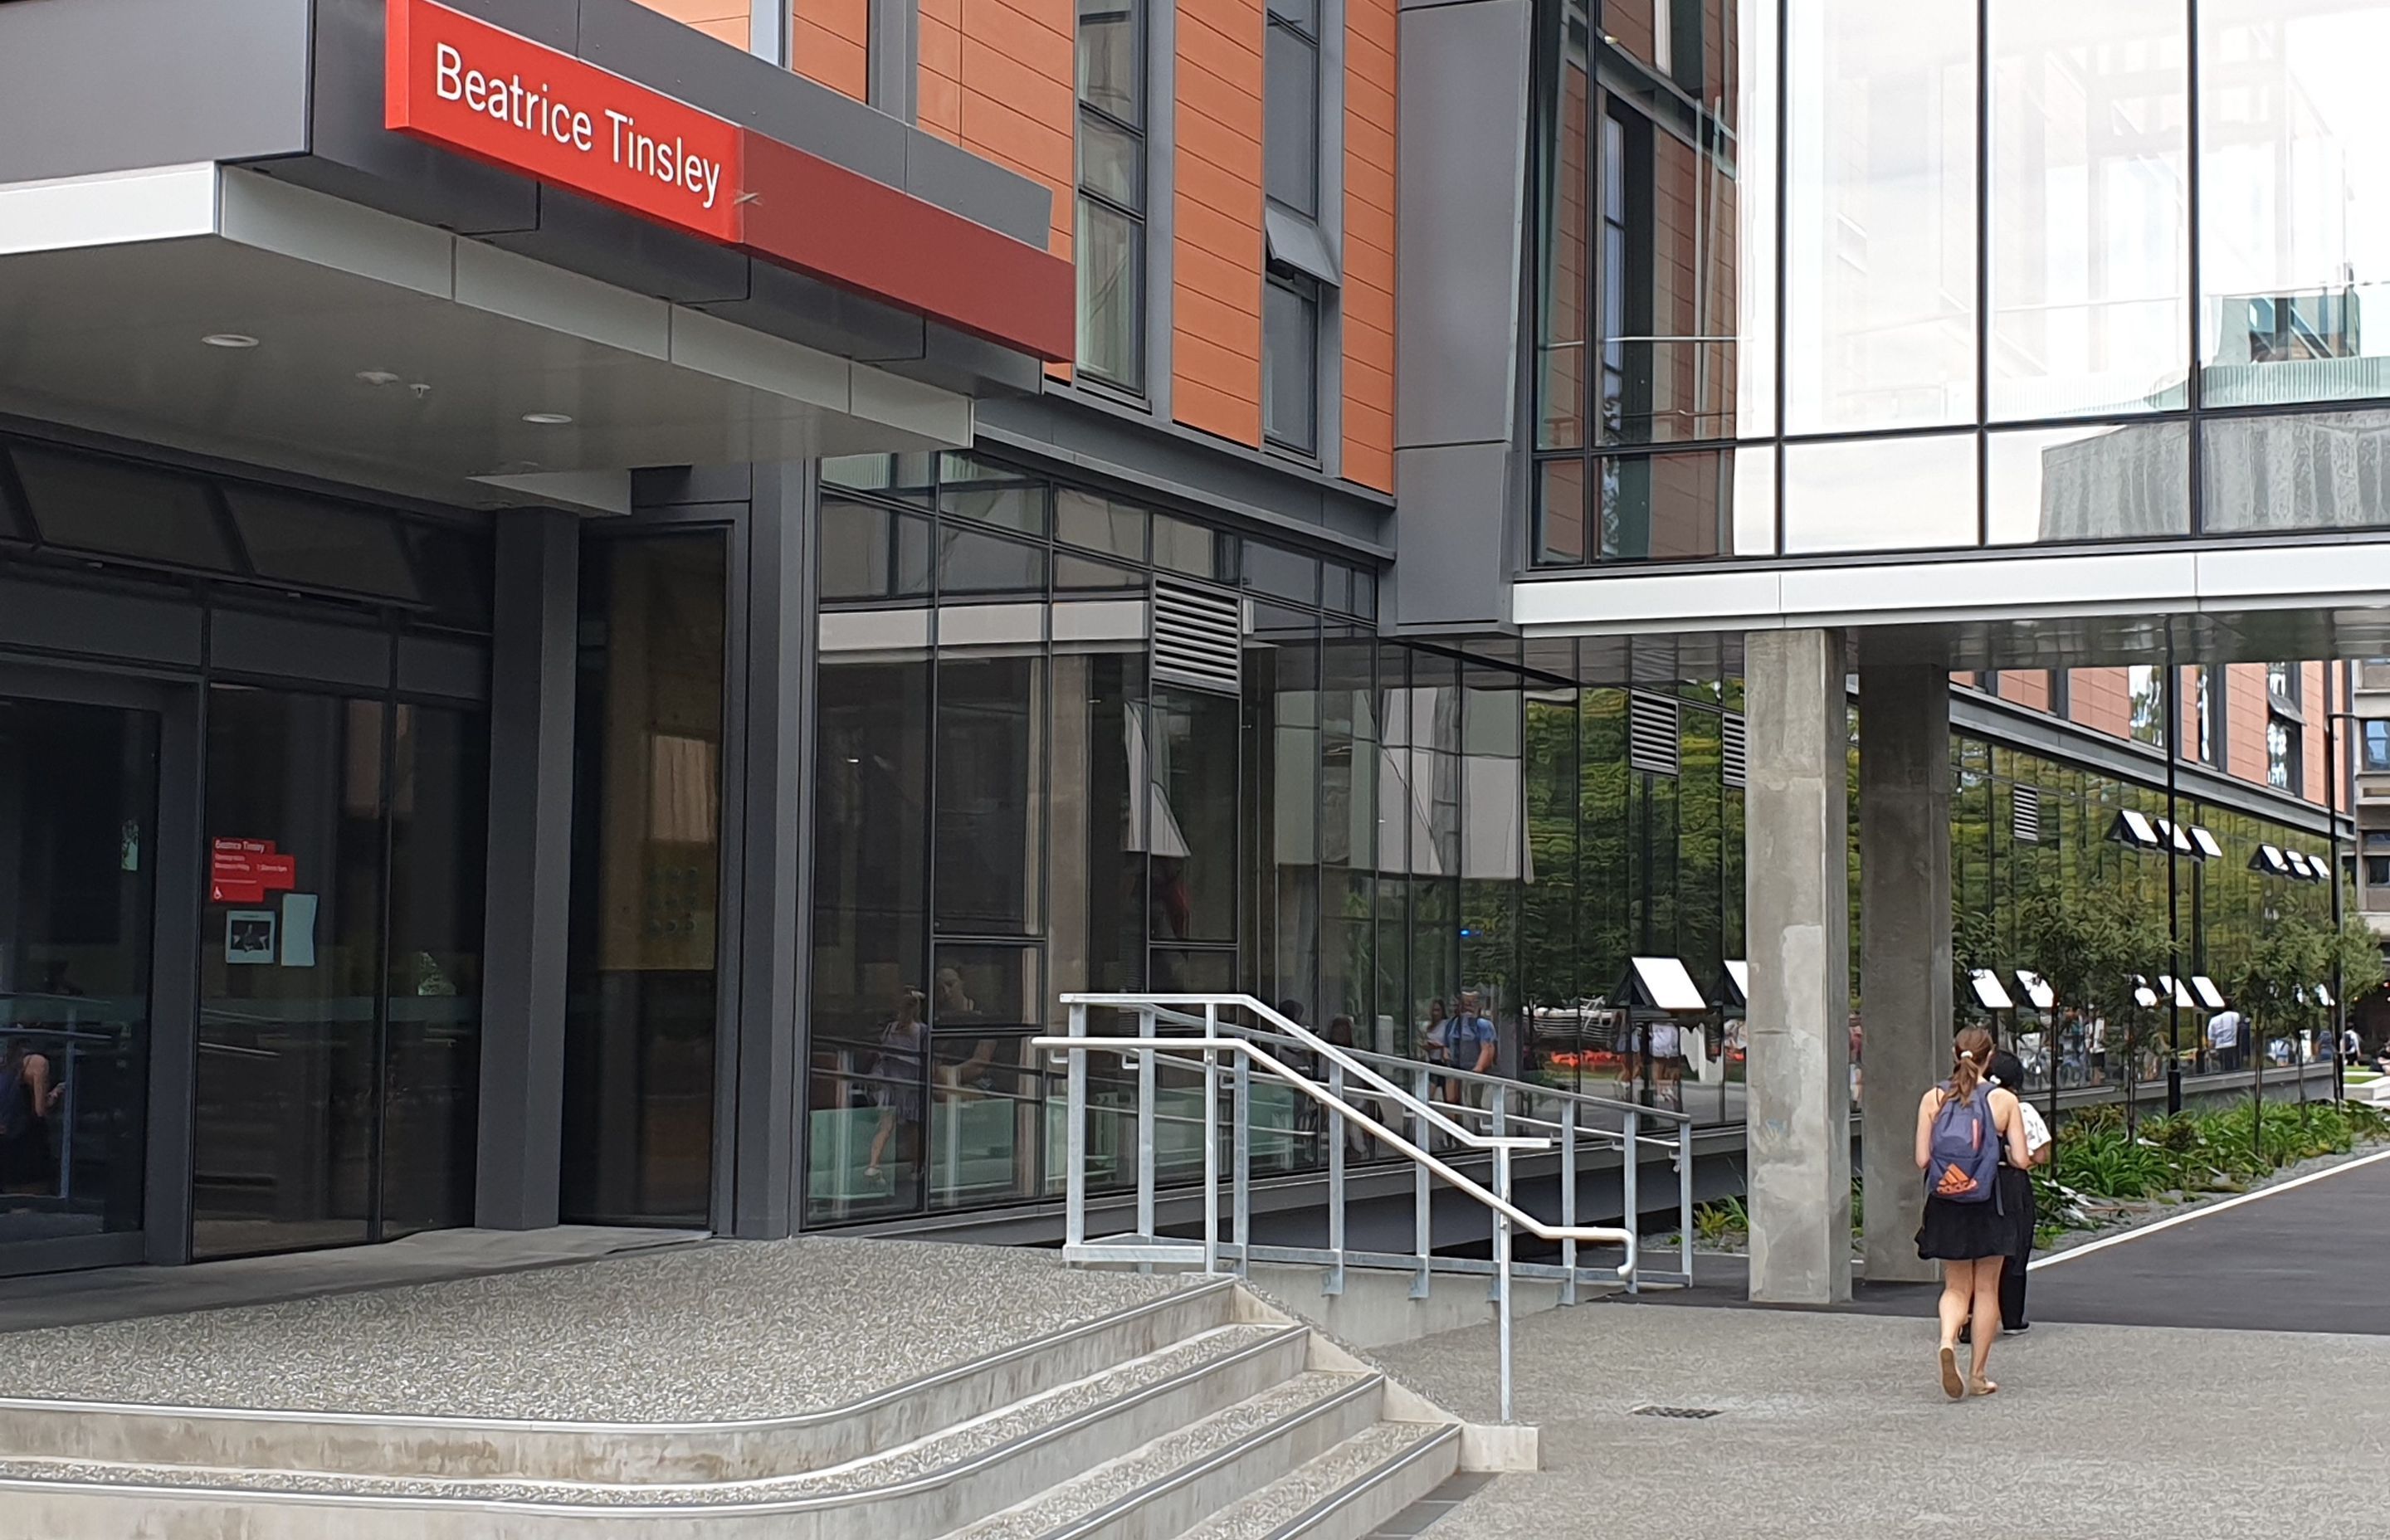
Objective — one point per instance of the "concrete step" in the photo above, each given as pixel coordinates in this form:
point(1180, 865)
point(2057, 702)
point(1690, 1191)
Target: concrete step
point(1186, 1477)
point(948, 1480)
point(395, 1446)
point(1349, 1492)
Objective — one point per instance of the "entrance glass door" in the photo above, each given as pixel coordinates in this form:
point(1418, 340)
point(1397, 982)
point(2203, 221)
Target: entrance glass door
point(78, 853)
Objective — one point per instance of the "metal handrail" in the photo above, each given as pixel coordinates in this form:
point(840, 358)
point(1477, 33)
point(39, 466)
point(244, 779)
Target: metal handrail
point(1247, 1048)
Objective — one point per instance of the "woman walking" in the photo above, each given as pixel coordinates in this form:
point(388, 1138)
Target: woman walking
point(1971, 1144)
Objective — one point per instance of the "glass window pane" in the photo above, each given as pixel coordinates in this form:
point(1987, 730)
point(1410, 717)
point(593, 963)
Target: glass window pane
point(1290, 119)
point(1666, 508)
point(2102, 482)
point(1098, 523)
point(1559, 513)
point(289, 978)
point(1077, 573)
point(1754, 501)
point(868, 552)
point(641, 982)
point(2089, 207)
point(1567, 261)
point(439, 820)
point(1684, 213)
point(113, 509)
point(1880, 325)
point(868, 1047)
point(2329, 470)
point(1882, 495)
point(991, 784)
point(79, 819)
point(297, 539)
point(1111, 73)
point(1282, 572)
point(1097, 931)
point(2294, 199)
point(969, 562)
point(1111, 161)
point(993, 493)
point(1112, 296)
point(1290, 367)
point(1181, 547)
point(1189, 829)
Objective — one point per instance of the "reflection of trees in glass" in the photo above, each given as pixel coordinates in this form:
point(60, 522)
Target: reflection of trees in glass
point(2145, 699)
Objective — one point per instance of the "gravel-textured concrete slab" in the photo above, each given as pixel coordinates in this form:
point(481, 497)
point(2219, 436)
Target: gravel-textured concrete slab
point(1832, 1425)
point(1296, 1492)
point(721, 1330)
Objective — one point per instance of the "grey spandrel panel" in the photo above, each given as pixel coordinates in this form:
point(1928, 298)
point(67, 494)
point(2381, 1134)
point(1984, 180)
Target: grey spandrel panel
point(977, 189)
point(40, 611)
point(118, 83)
point(677, 59)
point(434, 665)
point(629, 253)
point(822, 315)
point(1455, 560)
point(283, 647)
point(1461, 140)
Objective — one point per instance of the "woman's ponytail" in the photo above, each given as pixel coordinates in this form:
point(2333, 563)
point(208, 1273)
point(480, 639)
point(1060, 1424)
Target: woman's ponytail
point(1974, 1050)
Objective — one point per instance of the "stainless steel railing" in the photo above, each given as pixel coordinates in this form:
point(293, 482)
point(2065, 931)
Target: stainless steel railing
point(1340, 1077)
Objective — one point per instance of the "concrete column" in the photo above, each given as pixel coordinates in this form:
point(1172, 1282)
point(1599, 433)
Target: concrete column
point(1798, 917)
point(1904, 947)
point(521, 1118)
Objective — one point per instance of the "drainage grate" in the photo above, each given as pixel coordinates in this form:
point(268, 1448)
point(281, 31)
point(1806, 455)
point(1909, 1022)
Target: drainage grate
point(1691, 1414)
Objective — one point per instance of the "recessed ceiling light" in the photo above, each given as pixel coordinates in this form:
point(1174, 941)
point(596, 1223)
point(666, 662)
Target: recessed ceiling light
point(378, 377)
point(229, 339)
point(547, 419)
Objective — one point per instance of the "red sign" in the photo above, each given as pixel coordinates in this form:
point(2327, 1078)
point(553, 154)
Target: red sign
point(505, 100)
point(244, 871)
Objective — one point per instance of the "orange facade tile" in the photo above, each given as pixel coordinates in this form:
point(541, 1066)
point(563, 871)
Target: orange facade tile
point(1216, 264)
point(830, 41)
point(1371, 29)
point(726, 19)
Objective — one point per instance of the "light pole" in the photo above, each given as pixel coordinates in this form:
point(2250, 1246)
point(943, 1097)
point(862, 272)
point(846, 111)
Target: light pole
point(2332, 720)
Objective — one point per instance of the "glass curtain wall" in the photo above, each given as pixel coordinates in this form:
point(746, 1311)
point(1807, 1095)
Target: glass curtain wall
point(2003, 234)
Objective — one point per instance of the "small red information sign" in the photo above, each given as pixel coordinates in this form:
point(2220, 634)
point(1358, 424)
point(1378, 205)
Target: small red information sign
point(244, 871)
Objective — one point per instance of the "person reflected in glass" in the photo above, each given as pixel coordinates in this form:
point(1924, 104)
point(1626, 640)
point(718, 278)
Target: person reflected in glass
point(29, 1094)
point(896, 1084)
point(1468, 1043)
point(1356, 1138)
point(953, 1006)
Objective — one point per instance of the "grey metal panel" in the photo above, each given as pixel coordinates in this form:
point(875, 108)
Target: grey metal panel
point(956, 179)
point(651, 48)
point(1454, 568)
point(355, 156)
point(957, 361)
point(284, 648)
point(821, 316)
point(1461, 143)
point(1178, 467)
point(102, 624)
point(522, 1119)
point(668, 485)
point(1298, 243)
point(637, 254)
point(438, 665)
point(96, 85)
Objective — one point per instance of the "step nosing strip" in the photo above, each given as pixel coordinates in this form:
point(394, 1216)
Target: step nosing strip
point(1369, 1480)
point(819, 1417)
point(816, 1501)
point(1162, 1485)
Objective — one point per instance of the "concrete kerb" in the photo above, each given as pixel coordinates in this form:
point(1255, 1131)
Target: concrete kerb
point(1485, 1446)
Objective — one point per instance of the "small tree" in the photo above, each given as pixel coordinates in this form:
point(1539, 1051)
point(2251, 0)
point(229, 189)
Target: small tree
point(2088, 943)
point(2362, 970)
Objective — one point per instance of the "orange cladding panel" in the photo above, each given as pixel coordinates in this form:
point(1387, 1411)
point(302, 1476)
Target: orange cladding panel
point(725, 20)
point(1215, 355)
point(1370, 30)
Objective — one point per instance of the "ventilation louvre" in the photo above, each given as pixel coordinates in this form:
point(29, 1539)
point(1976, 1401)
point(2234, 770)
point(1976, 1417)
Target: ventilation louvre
point(2025, 814)
point(1651, 734)
point(1732, 751)
point(1199, 638)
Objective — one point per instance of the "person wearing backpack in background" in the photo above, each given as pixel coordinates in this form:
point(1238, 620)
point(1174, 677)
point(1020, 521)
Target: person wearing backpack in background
point(1965, 1127)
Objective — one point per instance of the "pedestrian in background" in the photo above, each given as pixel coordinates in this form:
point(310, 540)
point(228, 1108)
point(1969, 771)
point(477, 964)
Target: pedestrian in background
point(2009, 1072)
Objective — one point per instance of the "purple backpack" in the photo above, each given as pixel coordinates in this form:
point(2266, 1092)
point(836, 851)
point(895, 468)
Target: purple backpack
point(1964, 1152)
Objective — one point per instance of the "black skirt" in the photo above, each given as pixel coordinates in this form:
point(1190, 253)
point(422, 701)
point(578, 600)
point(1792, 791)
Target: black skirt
point(1968, 1232)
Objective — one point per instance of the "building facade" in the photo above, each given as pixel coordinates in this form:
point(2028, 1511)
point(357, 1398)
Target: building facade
point(554, 670)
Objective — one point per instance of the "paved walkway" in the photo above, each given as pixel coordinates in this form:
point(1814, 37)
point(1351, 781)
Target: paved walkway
point(2223, 1376)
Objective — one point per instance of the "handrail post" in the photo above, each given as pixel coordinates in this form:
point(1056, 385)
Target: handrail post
point(1502, 1258)
point(1210, 1144)
point(1685, 1198)
point(1568, 1201)
point(1240, 1123)
point(1499, 1124)
point(1334, 1282)
point(1145, 1153)
point(1422, 1225)
point(1074, 1209)
point(1630, 1160)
